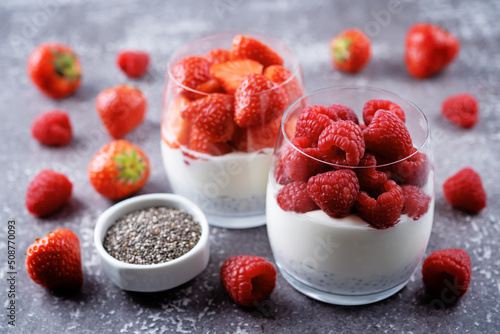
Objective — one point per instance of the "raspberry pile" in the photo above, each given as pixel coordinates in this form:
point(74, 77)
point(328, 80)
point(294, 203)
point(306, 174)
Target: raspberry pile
point(230, 100)
point(333, 165)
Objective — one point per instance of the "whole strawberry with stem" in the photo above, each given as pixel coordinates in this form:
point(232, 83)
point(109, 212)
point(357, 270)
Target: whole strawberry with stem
point(118, 169)
point(429, 49)
point(350, 50)
point(54, 261)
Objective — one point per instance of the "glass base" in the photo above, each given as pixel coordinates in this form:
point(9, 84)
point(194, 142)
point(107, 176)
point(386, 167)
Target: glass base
point(338, 299)
point(236, 222)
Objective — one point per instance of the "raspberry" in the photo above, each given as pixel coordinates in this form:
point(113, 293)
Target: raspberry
point(335, 192)
point(52, 128)
point(370, 179)
point(248, 279)
point(310, 124)
point(279, 172)
point(133, 63)
point(465, 191)
point(340, 112)
point(388, 136)
point(294, 197)
point(47, 192)
point(300, 161)
point(447, 270)
point(372, 106)
point(416, 201)
point(345, 136)
point(413, 170)
point(461, 110)
point(384, 211)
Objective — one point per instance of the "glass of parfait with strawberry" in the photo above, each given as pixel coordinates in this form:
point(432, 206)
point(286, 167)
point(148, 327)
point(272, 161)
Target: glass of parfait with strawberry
point(350, 199)
point(222, 107)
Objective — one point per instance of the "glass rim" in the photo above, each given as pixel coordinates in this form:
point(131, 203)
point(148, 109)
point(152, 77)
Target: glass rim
point(370, 88)
point(295, 71)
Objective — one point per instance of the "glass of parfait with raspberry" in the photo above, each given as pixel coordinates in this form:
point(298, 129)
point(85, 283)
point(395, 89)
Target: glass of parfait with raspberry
point(222, 107)
point(350, 198)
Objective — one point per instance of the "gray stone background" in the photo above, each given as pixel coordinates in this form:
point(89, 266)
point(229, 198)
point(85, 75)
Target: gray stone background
point(97, 30)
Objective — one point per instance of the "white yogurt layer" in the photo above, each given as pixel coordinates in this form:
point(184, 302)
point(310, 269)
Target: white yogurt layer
point(233, 183)
point(345, 255)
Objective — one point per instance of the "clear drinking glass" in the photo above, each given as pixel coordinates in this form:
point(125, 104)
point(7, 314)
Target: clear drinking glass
point(346, 261)
point(230, 187)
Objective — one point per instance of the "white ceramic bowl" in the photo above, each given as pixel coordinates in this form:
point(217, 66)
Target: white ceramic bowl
point(153, 277)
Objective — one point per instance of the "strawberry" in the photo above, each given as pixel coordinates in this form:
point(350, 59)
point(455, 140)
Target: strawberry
point(350, 50)
point(280, 75)
point(213, 116)
point(230, 74)
point(121, 109)
point(429, 49)
point(133, 63)
point(189, 73)
point(209, 87)
point(246, 47)
point(54, 261)
point(200, 142)
point(258, 100)
point(255, 138)
point(176, 124)
point(118, 169)
point(216, 56)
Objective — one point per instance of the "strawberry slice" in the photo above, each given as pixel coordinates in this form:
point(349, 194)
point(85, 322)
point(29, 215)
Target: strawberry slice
point(216, 56)
point(246, 47)
point(256, 137)
point(213, 116)
point(200, 142)
point(231, 73)
point(278, 74)
point(258, 100)
point(178, 125)
point(210, 86)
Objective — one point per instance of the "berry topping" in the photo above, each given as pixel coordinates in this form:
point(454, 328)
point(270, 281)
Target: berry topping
point(230, 74)
point(199, 142)
point(279, 75)
point(213, 116)
point(257, 101)
point(54, 261)
point(216, 56)
point(52, 128)
point(335, 192)
point(191, 72)
point(388, 136)
point(133, 63)
point(465, 191)
point(370, 179)
point(345, 139)
point(300, 161)
point(461, 110)
point(311, 124)
point(413, 170)
point(416, 201)
point(384, 211)
point(246, 47)
point(47, 192)
point(341, 112)
point(372, 106)
point(294, 197)
point(178, 125)
point(447, 270)
point(248, 279)
point(254, 138)
point(350, 50)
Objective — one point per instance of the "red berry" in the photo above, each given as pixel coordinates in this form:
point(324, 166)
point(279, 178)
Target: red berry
point(258, 101)
point(279, 172)
point(384, 211)
point(370, 179)
point(447, 271)
point(344, 138)
point(388, 136)
point(216, 56)
point(335, 192)
point(282, 76)
point(465, 191)
point(311, 124)
point(213, 116)
point(350, 50)
point(191, 72)
point(413, 170)
point(246, 47)
point(133, 63)
point(461, 109)
point(198, 141)
point(248, 279)
point(54, 261)
point(372, 106)
point(416, 201)
point(230, 74)
point(429, 49)
point(47, 192)
point(255, 138)
point(341, 112)
point(52, 128)
point(300, 162)
point(294, 197)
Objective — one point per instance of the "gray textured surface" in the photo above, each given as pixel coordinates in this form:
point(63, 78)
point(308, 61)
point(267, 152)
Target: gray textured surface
point(97, 31)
